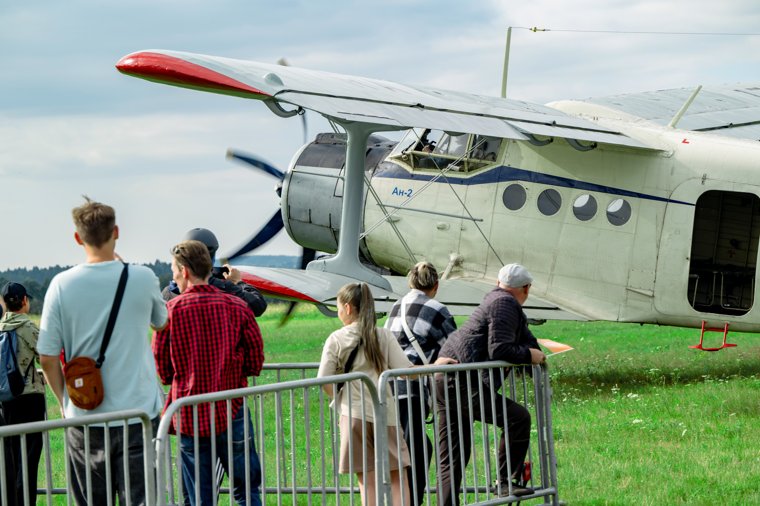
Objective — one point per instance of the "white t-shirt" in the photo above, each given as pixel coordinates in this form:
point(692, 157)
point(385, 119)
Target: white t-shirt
point(335, 354)
point(74, 316)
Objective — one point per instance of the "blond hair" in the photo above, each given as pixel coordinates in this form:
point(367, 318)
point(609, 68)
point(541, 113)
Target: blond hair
point(94, 222)
point(360, 298)
point(423, 276)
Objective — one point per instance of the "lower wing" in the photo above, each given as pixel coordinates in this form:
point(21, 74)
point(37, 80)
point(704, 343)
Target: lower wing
point(460, 295)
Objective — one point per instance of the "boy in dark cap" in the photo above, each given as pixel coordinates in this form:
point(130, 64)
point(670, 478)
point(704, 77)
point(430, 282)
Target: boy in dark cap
point(227, 278)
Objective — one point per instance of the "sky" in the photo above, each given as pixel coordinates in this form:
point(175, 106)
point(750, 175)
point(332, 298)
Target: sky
point(71, 125)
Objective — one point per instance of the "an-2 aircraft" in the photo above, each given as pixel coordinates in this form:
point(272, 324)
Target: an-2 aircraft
point(633, 208)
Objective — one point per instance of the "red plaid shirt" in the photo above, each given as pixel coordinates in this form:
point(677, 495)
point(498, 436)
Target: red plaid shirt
point(210, 343)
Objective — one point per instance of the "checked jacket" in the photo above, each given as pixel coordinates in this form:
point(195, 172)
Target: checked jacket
point(429, 320)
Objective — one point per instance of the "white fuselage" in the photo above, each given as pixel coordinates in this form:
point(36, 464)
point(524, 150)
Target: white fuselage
point(595, 262)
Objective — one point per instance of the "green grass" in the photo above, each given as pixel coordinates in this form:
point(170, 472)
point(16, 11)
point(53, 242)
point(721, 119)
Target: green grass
point(639, 418)
point(642, 419)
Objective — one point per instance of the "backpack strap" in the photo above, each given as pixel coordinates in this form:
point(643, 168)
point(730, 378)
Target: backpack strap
point(113, 315)
point(14, 352)
point(26, 373)
point(349, 365)
point(14, 345)
point(410, 335)
point(31, 362)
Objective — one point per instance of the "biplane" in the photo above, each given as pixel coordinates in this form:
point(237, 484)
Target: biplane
point(642, 207)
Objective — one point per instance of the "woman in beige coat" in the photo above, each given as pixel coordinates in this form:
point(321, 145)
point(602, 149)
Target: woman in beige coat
point(377, 351)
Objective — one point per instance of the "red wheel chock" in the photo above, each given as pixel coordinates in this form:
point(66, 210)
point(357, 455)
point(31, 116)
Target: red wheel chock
point(713, 329)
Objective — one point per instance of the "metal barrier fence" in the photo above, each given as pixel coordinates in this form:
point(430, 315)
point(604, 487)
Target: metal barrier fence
point(298, 440)
point(292, 447)
point(456, 393)
point(115, 422)
point(298, 443)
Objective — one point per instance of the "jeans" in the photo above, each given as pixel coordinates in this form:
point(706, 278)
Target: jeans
point(239, 465)
point(517, 421)
point(95, 463)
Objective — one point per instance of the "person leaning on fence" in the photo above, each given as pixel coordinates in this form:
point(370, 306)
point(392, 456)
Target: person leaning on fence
point(211, 343)
point(421, 325)
point(376, 351)
point(77, 305)
point(29, 406)
point(497, 330)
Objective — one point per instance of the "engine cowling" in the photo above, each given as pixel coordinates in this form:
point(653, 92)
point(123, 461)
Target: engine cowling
point(312, 192)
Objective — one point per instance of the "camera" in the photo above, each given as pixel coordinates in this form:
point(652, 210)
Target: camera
point(219, 272)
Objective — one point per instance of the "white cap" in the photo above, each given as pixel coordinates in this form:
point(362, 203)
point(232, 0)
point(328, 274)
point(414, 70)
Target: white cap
point(514, 276)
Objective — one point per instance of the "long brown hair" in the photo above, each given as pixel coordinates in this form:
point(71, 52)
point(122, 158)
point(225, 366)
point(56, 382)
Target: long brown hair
point(360, 298)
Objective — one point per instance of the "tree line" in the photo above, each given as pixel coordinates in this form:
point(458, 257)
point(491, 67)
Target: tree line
point(37, 279)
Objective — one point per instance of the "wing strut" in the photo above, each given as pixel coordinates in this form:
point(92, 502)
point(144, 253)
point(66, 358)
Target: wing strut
point(346, 261)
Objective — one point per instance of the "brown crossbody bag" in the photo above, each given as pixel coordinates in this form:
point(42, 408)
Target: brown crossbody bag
point(84, 382)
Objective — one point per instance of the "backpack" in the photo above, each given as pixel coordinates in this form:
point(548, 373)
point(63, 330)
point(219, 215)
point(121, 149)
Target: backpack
point(11, 381)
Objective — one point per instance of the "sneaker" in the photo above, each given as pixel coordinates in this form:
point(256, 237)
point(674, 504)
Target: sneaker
point(517, 490)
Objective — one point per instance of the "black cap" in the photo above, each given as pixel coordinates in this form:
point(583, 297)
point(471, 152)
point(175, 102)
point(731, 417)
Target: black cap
point(205, 236)
point(14, 293)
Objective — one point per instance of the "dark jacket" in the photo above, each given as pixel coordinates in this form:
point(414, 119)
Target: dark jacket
point(497, 330)
point(242, 290)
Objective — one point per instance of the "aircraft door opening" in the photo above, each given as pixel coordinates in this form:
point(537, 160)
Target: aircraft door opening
point(724, 247)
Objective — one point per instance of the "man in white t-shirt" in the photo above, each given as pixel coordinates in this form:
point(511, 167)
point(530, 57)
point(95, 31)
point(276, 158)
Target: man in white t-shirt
point(77, 306)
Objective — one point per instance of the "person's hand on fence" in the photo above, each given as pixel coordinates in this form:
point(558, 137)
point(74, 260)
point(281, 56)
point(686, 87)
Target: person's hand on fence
point(537, 356)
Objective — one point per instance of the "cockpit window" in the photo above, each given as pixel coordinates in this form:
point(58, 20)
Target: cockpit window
point(427, 149)
point(484, 148)
point(452, 145)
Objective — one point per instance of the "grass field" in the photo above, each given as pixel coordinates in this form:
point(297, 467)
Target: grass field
point(639, 418)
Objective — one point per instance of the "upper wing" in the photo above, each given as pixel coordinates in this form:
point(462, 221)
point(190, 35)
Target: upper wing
point(728, 110)
point(372, 101)
point(461, 296)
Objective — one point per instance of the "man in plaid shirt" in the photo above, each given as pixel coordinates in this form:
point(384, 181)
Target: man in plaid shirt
point(211, 343)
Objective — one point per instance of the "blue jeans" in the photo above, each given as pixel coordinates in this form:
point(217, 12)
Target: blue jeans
point(206, 466)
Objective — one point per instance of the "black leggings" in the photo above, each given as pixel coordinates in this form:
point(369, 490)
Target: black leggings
point(412, 418)
point(24, 409)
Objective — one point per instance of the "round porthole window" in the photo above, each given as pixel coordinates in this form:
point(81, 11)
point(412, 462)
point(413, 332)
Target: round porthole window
point(514, 197)
point(584, 207)
point(619, 212)
point(549, 202)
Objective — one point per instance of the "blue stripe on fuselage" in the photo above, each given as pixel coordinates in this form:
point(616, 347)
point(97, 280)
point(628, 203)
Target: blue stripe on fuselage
point(504, 173)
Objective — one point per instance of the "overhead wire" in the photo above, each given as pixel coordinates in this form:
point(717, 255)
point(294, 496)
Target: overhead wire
point(638, 32)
